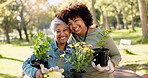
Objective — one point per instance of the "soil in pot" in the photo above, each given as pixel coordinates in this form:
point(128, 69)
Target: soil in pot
point(74, 74)
point(36, 63)
point(101, 57)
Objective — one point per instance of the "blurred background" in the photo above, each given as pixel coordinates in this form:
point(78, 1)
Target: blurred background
point(21, 19)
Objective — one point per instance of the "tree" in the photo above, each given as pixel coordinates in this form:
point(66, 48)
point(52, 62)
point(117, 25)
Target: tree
point(2, 1)
point(25, 15)
point(7, 14)
point(104, 9)
point(93, 12)
point(17, 26)
point(42, 14)
point(17, 20)
point(126, 13)
point(102, 16)
point(143, 18)
point(132, 4)
point(6, 27)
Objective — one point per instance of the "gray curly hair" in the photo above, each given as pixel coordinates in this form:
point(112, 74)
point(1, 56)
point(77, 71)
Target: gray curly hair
point(55, 22)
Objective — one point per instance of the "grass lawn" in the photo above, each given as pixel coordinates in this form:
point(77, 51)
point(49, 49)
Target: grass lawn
point(12, 58)
point(13, 55)
point(135, 58)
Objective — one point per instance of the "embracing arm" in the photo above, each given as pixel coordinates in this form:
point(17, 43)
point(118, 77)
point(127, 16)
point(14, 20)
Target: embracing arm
point(28, 69)
point(113, 51)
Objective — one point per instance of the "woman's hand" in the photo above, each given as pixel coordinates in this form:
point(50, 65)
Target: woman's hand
point(110, 68)
point(38, 74)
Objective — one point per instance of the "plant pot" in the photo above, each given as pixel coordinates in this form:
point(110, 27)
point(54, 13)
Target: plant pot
point(74, 74)
point(101, 57)
point(36, 63)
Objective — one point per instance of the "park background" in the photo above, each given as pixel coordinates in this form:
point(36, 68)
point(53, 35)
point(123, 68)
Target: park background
point(21, 19)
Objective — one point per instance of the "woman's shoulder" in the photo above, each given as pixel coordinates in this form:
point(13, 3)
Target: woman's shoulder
point(94, 31)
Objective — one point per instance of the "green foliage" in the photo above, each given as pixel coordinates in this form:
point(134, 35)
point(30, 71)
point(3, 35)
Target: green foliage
point(98, 15)
point(104, 35)
point(41, 46)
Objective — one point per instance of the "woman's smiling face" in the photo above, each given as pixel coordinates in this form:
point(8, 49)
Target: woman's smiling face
point(62, 33)
point(77, 25)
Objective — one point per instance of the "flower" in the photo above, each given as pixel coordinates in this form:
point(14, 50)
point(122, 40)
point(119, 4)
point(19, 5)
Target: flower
point(81, 55)
point(88, 54)
point(68, 49)
point(77, 45)
point(70, 46)
point(62, 55)
point(90, 45)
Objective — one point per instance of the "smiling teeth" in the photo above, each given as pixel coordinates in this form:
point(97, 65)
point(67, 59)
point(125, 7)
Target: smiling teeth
point(62, 37)
point(77, 28)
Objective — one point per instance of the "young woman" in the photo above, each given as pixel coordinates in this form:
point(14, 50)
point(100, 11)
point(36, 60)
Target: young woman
point(79, 20)
point(61, 34)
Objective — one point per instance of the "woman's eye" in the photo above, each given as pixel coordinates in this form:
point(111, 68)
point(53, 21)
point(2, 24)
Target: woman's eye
point(65, 29)
point(58, 31)
point(76, 20)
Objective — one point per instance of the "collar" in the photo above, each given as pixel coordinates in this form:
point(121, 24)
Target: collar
point(55, 47)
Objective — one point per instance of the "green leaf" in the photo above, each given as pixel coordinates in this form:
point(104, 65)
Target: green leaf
point(35, 47)
point(106, 37)
point(35, 37)
point(99, 32)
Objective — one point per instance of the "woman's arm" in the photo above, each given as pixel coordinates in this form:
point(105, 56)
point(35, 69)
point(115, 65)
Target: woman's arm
point(28, 69)
point(113, 51)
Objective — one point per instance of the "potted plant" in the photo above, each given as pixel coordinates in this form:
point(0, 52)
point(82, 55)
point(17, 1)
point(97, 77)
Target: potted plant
point(102, 54)
point(41, 47)
point(80, 57)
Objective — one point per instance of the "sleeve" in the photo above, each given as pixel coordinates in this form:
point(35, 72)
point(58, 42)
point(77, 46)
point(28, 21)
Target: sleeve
point(28, 69)
point(113, 51)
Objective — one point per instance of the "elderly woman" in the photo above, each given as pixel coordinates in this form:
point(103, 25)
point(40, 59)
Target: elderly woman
point(61, 34)
point(79, 20)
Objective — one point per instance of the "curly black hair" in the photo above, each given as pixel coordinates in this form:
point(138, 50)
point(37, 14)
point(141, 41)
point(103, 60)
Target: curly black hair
point(74, 10)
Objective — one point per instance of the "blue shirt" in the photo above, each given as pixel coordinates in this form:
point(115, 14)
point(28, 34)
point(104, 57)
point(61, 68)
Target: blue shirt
point(54, 55)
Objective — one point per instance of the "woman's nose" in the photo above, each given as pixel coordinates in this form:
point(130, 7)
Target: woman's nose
point(74, 25)
point(62, 33)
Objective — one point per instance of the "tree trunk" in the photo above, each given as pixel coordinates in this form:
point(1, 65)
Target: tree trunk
point(20, 33)
point(117, 18)
point(25, 31)
point(6, 30)
point(133, 27)
point(143, 18)
point(106, 21)
point(7, 36)
point(23, 22)
point(93, 12)
point(118, 23)
point(126, 21)
point(103, 18)
point(123, 26)
point(126, 24)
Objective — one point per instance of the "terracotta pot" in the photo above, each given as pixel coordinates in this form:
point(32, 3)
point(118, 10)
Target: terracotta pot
point(36, 63)
point(101, 56)
point(74, 74)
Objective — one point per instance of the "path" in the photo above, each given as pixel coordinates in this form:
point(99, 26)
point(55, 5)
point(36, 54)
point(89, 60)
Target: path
point(122, 72)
